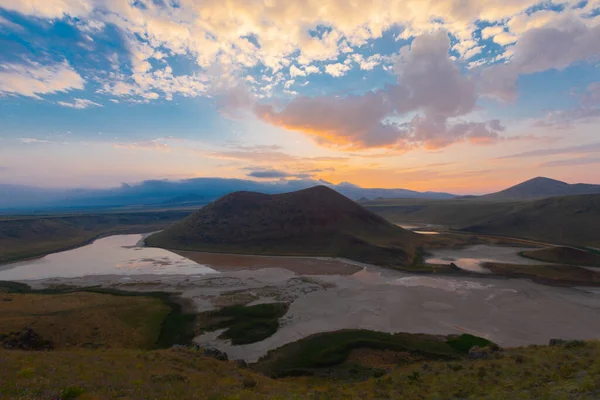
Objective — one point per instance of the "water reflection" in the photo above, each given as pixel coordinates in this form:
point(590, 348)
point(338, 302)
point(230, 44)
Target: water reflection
point(119, 254)
point(471, 258)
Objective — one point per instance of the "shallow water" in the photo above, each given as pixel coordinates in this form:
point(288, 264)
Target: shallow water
point(472, 258)
point(114, 255)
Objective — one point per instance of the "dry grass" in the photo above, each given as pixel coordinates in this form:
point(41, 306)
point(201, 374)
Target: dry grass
point(536, 372)
point(85, 319)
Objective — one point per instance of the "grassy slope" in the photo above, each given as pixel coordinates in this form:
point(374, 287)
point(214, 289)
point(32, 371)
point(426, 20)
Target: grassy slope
point(564, 255)
point(96, 317)
point(528, 373)
point(28, 237)
point(316, 221)
point(570, 220)
point(434, 369)
point(92, 319)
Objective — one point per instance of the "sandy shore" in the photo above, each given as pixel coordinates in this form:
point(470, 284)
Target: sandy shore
point(299, 265)
point(511, 312)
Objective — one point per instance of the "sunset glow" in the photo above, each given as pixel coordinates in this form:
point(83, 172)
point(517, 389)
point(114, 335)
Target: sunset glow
point(443, 95)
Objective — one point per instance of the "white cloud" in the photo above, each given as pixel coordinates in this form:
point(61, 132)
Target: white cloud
point(311, 69)
point(366, 64)
point(9, 24)
point(79, 104)
point(157, 144)
point(553, 46)
point(37, 141)
point(225, 39)
point(33, 79)
point(337, 69)
point(295, 71)
point(49, 8)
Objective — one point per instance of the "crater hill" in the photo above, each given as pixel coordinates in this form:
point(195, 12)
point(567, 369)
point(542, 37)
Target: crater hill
point(312, 222)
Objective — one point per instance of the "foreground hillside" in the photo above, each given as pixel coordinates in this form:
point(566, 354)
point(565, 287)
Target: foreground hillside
point(316, 221)
point(99, 345)
point(27, 237)
point(537, 372)
point(571, 220)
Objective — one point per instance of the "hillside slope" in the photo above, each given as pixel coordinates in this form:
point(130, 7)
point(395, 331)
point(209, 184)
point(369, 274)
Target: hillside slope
point(541, 187)
point(572, 220)
point(569, 220)
point(316, 221)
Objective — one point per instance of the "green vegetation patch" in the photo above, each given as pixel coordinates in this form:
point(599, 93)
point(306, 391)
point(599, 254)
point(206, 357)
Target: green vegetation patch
point(465, 342)
point(333, 348)
point(246, 324)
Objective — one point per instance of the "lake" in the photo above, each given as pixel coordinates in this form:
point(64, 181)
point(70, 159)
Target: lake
point(471, 258)
point(113, 255)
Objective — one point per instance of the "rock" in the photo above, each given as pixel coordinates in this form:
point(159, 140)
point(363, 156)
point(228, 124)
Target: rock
point(241, 363)
point(217, 354)
point(557, 342)
point(27, 339)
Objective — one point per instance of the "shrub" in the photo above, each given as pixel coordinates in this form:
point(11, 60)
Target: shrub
point(71, 392)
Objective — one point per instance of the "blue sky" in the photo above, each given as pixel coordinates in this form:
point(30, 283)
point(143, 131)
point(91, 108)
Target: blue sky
point(425, 95)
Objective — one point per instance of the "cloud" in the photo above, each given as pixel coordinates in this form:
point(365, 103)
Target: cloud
point(270, 173)
point(295, 71)
point(583, 149)
point(587, 111)
point(37, 141)
point(571, 162)
point(9, 25)
point(274, 173)
point(428, 82)
point(337, 69)
point(79, 104)
point(367, 64)
point(33, 79)
point(49, 8)
point(553, 46)
point(156, 144)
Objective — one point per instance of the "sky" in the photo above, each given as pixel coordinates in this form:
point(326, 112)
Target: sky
point(463, 96)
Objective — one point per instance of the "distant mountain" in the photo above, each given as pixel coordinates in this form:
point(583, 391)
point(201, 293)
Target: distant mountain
point(317, 221)
point(541, 187)
point(197, 191)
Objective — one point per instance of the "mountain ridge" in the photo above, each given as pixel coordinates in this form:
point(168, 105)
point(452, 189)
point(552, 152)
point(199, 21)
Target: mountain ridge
point(540, 187)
